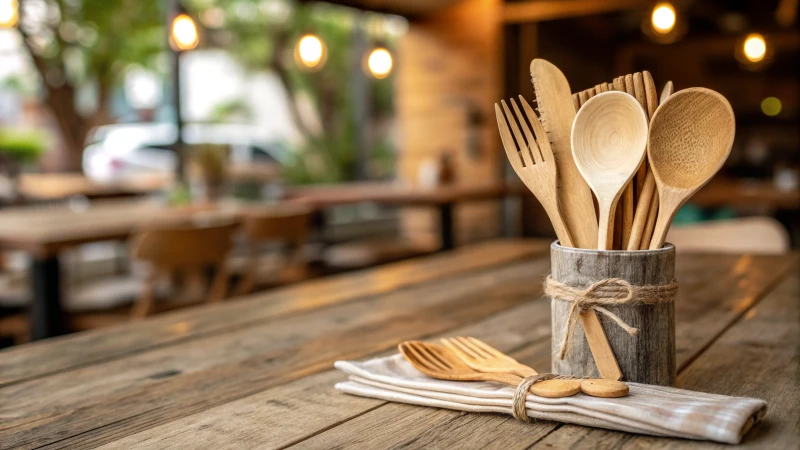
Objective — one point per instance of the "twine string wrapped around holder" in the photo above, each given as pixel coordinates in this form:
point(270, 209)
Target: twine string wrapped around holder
point(607, 292)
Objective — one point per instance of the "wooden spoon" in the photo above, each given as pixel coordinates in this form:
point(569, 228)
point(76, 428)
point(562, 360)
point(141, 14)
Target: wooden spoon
point(609, 138)
point(484, 358)
point(690, 139)
point(437, 361)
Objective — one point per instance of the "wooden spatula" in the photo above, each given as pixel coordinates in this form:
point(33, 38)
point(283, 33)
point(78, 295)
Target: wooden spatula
point(557, 112)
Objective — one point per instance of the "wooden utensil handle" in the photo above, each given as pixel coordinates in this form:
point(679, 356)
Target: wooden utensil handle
point(602, 353)
point(662, 227)
point(642, 211)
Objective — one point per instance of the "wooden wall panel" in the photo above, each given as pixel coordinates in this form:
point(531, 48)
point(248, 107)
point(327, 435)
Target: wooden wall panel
point(449, 60)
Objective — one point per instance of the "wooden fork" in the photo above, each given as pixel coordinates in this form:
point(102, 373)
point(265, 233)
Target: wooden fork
point(532, 160)
point(437, 361)
point(485, 358)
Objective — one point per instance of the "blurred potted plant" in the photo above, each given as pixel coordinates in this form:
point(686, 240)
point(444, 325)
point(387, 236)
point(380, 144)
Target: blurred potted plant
point(206, 171)
point(18, 149)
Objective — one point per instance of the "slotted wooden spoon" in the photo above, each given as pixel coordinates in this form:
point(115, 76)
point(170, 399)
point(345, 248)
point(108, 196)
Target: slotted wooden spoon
point(484, 358)
point(437, 361)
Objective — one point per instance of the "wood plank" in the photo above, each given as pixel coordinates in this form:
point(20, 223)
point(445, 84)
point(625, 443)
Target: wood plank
point(742, 279)
point(104, 402)
point(751, 359)
point(78, 350)
point(289, 411)
point(522, 331)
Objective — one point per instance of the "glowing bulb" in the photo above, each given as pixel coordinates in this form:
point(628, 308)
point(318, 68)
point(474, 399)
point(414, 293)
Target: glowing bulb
point(771, 106)
point(310, 51)
point(663, 18)
point(9, 13)
point(184, 33)
point(380, 63)
point(755, 48)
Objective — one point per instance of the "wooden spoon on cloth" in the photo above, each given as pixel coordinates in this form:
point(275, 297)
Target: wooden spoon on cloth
point(609, 138)
point(485, 358)
point(437, 361)
point(690, 138)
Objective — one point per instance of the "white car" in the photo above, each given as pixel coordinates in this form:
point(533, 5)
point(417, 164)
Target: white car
point(117, 151)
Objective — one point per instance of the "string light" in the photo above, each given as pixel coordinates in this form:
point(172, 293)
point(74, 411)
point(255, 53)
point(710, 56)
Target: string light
point(663, 18)
point(184, 33)
point(771, 106)
point(755, 48)
point(380, 63)
point(9, 13)
point(310, 52)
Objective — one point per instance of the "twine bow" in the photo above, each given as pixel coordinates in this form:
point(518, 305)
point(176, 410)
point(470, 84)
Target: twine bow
point(610, 291)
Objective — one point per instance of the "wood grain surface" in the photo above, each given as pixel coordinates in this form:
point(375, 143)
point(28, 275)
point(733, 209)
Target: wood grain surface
point(269, 384)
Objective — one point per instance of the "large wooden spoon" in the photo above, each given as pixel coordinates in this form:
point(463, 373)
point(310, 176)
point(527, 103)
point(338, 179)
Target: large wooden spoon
point(691, 136)
point(609, 139)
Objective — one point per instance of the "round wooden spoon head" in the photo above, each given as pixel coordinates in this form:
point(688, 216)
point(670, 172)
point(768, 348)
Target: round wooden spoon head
point(691, 135)
point(609, 138)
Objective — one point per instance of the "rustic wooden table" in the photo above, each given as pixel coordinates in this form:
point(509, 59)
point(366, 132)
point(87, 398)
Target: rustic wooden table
point(257, 372)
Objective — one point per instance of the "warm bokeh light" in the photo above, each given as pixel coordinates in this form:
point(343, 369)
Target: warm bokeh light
point(663, 18)
point(9, 13)
point(184, 33)
point(380, 63)
point(755, 48)
point(771, 106)
point(310, 51)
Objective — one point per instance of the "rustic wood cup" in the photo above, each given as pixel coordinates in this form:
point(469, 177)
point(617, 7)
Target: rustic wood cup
point(649, 356)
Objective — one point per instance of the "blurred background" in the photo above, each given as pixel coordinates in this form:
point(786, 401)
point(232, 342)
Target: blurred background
point(360, 131)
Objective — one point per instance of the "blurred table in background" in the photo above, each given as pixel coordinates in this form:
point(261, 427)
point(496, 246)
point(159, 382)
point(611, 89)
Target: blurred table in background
point(726, 192)
point(58, 186)
point(442, 197)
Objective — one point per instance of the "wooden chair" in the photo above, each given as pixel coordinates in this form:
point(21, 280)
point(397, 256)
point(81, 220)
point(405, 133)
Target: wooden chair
point(190, 250)
point(286, 225)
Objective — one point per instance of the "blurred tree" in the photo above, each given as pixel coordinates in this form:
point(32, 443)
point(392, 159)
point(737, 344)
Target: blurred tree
point(81, 48)
point(262, 34)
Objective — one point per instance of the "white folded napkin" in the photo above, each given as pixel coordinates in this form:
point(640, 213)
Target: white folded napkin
point(654, 410)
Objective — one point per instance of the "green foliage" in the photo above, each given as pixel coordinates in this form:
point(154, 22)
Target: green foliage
point(231, 111)
point(22, 147)
point(96, 40)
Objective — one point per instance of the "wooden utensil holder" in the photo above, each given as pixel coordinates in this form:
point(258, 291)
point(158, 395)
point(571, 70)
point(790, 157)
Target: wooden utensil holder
point(649, 356)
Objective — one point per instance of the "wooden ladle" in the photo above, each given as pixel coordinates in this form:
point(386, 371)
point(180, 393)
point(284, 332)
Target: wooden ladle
point(609, 139)
point(691, 136)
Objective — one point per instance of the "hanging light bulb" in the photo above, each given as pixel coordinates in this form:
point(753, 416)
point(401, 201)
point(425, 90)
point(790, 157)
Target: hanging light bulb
point(663, 18)
point(184, 33)
point(9, 13)
point(755, 47)
point(380, 63)
point(310, 52)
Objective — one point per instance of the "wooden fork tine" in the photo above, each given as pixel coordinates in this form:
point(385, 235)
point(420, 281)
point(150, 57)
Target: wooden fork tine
point(464, 349)
point(532, 147)
point(423, 360)
point(437, 357)
point(468, 347)
point(576, 101)
point(455, 347)
point(521, 145)
point(486, 347)
point(514, 157)
point(478, 350)
point(538, 130)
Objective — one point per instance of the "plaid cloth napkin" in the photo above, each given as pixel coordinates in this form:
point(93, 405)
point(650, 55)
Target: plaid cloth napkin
point(654, 410)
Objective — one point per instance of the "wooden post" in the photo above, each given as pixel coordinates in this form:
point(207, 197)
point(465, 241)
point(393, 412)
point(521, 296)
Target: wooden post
point(648, 357)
